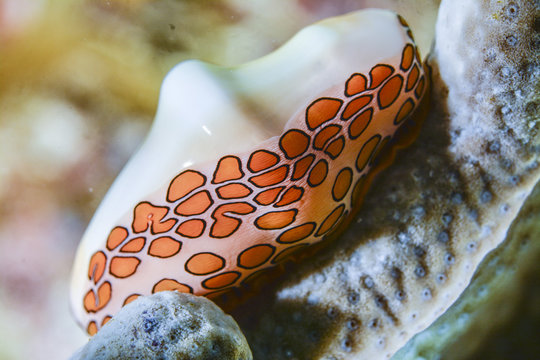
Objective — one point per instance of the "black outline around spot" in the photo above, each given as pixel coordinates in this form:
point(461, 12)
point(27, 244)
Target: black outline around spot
point(274, 212)
point(123, 257)
point(316, 101)
point(161, 222)
point(356, 112)
point(199, 213)
point(96, 297)
point(217, 167)
point(154, 287)
point(365, 127)
point(273, 248)
point(110, 232)
point(124, 302)
point(229, 198)
point(349, 79)
point(295, 227)
point(328, 139)
point(407, 89)
point(370, 155)
point(403, 55)
point(265, 151)
point(274, 200)
point(276, 205)
point(348, 188)
point(148, 226)
point(88, 326)
point(133, 252)
point(402, 21)
point(239, 221)
point(327, 152)
point(409, 113)
point(183, 172)
point(207, 273)
point(417, 55)
point(267, 172)
point(164, 257)
point(342, 207)
point(421, 83)
point(313, 168)
point(151, 225)
point(371, 75)
point(294, 131)
point(191, 237)
point(103, 322)
point(397, 94)
point(223, 273)
point(307, 169)
point(91, 278)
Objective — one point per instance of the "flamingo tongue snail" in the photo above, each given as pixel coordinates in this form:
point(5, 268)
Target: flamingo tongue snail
point(244, 166)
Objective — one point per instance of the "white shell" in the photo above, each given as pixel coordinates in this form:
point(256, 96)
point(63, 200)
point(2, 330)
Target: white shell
point(206, 111)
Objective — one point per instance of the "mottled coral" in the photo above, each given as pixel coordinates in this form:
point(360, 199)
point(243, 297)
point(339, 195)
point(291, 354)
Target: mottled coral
point(430, 220)
point(168, 325)
point(505, 88)
point(497, 314)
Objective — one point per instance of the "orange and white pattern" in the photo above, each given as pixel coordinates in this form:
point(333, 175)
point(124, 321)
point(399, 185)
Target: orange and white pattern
point(215, 225)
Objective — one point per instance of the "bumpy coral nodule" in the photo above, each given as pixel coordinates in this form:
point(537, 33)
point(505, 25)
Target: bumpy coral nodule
point(168, 325)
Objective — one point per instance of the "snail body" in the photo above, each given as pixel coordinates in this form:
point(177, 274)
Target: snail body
point(245, 166)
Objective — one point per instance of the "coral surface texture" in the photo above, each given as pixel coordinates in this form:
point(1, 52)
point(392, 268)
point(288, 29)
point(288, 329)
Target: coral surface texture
point(168, 325)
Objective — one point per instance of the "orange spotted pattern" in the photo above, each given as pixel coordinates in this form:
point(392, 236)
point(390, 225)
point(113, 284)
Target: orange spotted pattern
point(215, 225)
